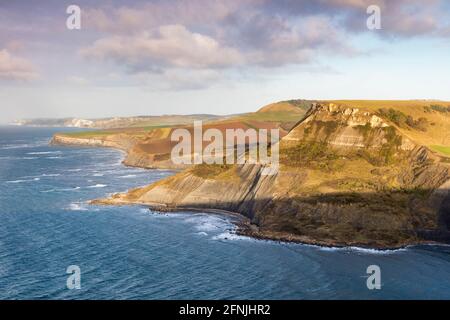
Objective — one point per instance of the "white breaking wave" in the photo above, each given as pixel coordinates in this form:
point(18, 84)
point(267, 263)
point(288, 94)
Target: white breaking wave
point(208, 222)
point(24, 145)
point(99, 185)
point(375, 251)
point(44, 152)
point(356, 250)
point(232, 236)
point(23, 180)
point(128, 176)
point(16, 181)
point(207, 226)
point(77, 207)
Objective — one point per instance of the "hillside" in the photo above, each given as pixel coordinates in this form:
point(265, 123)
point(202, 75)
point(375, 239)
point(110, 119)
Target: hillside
point(150, 146)
point(285, 113)
point(351, 173)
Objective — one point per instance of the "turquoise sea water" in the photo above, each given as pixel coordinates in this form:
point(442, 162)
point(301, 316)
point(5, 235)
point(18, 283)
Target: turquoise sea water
point(132, 253)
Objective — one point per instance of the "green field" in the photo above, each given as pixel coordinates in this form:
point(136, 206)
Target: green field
point(442, 149)
point(277, 116)
point(89, 134)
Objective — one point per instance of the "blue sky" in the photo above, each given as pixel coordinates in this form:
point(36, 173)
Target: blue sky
point(210, 56)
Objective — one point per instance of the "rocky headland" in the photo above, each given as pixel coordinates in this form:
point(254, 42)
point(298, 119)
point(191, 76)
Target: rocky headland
point(348, 177)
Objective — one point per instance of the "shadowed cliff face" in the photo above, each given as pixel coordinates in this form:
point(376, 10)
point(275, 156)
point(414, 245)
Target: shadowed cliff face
point(346, 177)
point(378, 219)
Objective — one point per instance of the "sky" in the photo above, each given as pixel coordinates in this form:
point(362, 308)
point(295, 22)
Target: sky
point(217, 57)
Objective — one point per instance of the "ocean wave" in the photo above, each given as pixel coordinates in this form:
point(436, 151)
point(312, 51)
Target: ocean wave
point(57, 157)
point(18, 158)
point(14, 146)
point(376, 251)
point(16, 181)
point(357, 250)
point(128, 176)
point(50, 175)
point(23, 180)
point(231, 236)
point(77, 206)
point(208, 226)
point(61, 190)
point(98, 175)
point(44, 152)
point(98, 185)
point(75, 188)
point(24, 145)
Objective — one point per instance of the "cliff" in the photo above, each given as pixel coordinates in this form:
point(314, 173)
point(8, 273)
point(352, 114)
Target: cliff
point(347, 176)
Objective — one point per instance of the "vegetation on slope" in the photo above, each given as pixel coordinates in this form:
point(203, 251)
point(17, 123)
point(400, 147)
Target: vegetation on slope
point(442, 149)
point(426, 122)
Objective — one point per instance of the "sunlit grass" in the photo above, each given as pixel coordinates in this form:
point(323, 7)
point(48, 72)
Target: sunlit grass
point(442, 149)
point(88, 134)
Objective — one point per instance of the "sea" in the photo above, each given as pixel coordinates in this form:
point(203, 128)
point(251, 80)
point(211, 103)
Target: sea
point(54, 245)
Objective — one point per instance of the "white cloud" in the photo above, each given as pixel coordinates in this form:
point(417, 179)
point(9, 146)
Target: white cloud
point(167, 46)
point(15, 68)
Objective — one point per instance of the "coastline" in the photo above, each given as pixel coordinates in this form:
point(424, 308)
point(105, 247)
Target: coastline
point(246, 229)
point(243, 225)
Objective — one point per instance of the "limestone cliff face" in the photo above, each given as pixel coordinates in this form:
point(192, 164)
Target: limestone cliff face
point(237, 191)
point(346, 177)
point(345, 128)
point(115, 141)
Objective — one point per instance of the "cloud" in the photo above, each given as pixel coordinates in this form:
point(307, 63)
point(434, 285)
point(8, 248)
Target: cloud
point(255, 40)
point(14, 68)
point(167, 46)
point(400, 18)
point(220, 35)
point(129, 19)
point(268, 33)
